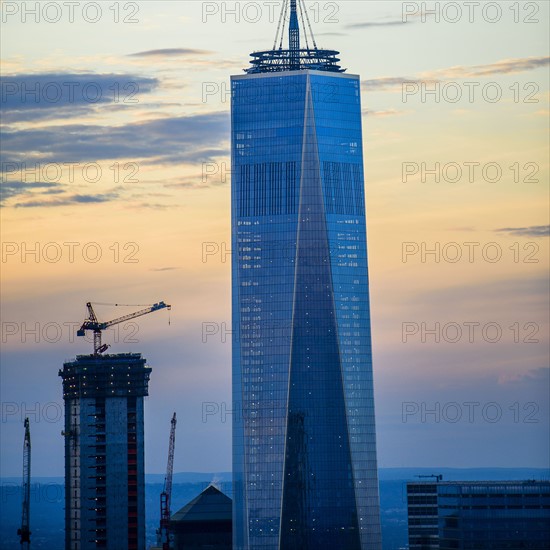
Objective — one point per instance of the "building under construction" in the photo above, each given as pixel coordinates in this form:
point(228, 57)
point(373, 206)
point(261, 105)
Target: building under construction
point(104, 443)
point(104, 451)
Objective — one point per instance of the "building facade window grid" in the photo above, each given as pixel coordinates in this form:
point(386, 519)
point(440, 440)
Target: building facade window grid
point(267, 143)
point(479, 515)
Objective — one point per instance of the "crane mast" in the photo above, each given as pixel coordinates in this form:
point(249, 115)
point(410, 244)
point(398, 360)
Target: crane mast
point(24, 532)
point(166, 495)
point(92, 323)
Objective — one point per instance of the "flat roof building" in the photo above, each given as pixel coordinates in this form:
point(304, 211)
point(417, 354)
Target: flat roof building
point(104, 451)
point(479, 515)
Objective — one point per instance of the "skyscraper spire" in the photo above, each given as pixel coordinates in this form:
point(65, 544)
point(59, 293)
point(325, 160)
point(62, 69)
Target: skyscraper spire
point(294, 37)
point(294, 28)
point(295, 58)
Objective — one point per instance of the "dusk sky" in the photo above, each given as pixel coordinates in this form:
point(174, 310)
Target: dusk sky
point(118, 174)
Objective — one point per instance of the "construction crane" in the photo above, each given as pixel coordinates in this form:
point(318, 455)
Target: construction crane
point(166, 495)
point(24, 532)
point(437, 477)
point(92, 323)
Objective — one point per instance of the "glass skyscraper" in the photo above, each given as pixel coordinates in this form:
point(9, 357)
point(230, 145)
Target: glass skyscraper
point(304, 444)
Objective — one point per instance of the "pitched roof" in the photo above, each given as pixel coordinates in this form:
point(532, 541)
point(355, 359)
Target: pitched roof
point(210, 505)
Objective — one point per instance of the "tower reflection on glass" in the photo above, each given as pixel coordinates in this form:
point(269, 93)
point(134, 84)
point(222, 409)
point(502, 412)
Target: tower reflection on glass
point(304, 444)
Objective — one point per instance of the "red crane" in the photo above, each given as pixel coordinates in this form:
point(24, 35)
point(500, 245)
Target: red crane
point(166, 495)
point(24, 532)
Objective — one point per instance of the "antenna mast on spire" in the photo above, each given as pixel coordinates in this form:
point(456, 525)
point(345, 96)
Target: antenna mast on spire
point(294, 35)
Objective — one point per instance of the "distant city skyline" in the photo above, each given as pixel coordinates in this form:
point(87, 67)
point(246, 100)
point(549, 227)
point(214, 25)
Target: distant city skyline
point(154, 224)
